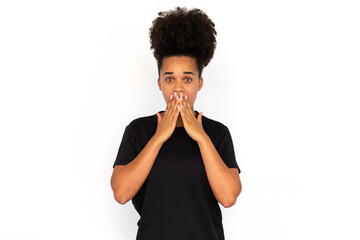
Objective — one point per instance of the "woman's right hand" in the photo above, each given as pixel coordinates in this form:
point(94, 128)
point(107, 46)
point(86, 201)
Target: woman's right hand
point(166, 124)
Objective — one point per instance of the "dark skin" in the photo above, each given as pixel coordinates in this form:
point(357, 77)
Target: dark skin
point(179, 77)
point(225, 182)
point(179, 83)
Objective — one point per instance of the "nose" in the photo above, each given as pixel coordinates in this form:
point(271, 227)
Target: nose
point(178, 86)
point(179, 94)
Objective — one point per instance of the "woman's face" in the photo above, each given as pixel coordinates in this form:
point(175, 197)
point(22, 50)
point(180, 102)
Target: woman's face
point(180, 74)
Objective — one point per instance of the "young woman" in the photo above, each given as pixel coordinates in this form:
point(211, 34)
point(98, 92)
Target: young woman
point(177, 165)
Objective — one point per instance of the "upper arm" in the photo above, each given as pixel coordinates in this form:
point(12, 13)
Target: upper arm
point(225, 148)
point(127, 150)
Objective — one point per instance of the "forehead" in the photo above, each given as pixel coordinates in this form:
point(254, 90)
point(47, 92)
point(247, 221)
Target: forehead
point(179, 63)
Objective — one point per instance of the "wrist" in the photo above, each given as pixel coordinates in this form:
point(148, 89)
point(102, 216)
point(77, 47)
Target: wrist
point(203, 138)
point(157, 139)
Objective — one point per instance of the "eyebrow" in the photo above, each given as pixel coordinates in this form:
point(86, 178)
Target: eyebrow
point(173, 73)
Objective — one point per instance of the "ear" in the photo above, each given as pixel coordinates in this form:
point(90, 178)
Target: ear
point(201, 80)
point(159, 84)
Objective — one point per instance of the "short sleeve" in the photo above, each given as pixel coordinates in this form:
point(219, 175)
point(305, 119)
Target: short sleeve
point(127, 149)
point(225, 149)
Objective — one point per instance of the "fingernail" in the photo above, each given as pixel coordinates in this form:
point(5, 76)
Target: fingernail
point(186, 97)
point(175, 94)
point(171, 96)
point(181, 94)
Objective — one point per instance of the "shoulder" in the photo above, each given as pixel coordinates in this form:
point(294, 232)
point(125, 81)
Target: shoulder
point(216, 130)
point(147, 122)
point(141, 120)
point(212, 124)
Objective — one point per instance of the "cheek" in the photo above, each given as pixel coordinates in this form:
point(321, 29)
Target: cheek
point(192, 93)
point(191, 97)
point(167, 96)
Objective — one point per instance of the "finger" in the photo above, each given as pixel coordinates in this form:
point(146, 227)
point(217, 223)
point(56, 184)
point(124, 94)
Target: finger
point(200, 117)
point(186, 109)
point(169, 109)
point(180, 106)
point(175, 110)
point(178, 98)
point(190, 111)
point(184, 112)
point(168, 106)
point(158, 117)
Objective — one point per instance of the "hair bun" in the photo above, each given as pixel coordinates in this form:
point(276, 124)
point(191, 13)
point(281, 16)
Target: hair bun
point(183, 32)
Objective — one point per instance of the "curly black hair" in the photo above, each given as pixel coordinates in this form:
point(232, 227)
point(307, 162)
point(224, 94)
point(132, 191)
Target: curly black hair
point(182, 32)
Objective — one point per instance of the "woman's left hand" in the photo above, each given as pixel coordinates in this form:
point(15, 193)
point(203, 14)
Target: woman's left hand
point(192, 125)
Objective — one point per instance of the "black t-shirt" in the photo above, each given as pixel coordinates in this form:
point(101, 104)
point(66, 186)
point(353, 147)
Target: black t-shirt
point(176, 201)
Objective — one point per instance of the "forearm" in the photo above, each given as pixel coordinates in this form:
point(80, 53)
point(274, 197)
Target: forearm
point(222, 181)
point(130, 179)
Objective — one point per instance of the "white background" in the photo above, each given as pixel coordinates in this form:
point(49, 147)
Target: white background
point(284, 78)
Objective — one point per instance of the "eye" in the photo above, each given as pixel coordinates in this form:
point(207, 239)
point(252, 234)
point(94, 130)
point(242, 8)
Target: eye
point(168, 78)
point(188, 79)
